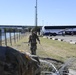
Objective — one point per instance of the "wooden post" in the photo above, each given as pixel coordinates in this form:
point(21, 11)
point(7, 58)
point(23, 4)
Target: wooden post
point(0, 38)
point(5, 36)
point(17, 37)
point(14, 37)
point(10, 37)
point(19, 34)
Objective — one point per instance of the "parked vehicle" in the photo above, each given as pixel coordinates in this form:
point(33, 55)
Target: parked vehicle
point(48, 30)
point(58, 30)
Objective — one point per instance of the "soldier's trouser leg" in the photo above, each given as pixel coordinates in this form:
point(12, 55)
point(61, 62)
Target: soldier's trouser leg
point(33, 49)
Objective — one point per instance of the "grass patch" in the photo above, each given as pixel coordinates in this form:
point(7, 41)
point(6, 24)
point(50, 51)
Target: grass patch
point(49, 48)
point(58, 49)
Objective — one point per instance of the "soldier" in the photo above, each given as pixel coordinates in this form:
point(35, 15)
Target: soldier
point(33, 43)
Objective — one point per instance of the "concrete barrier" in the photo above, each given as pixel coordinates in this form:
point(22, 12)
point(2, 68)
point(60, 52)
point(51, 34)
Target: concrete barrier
point(69, 41)
point(59, 39)
point(56, 38)
point(53, 38)
point(44, 36)
point(49, 37)
point(62, 39)
point(72, 42)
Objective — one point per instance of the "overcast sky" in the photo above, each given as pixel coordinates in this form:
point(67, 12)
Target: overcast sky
point(50, 12)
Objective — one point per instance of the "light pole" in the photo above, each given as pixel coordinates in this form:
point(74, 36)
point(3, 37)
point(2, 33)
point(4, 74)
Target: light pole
point(36, 14)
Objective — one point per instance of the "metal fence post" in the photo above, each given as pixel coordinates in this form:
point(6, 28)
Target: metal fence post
point(19, 34)
point(10, 37)
point(5, 36)
point(0, 38)
point(14, 37)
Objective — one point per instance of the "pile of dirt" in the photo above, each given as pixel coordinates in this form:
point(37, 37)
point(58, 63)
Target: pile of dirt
point(13, 62)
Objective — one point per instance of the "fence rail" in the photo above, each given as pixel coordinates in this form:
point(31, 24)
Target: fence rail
point(15, 38)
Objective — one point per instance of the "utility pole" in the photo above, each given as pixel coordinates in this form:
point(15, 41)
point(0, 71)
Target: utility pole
point(36, 14)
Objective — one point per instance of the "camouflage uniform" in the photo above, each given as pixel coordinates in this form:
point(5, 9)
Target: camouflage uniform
point(33, 43)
